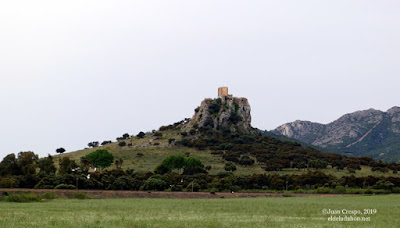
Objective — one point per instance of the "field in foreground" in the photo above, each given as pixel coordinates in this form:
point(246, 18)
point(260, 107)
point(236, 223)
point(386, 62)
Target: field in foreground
point(223, 212)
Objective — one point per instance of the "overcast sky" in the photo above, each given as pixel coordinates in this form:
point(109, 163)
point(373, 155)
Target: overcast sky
point(72, 72)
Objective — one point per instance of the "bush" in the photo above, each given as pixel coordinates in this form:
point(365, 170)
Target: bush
point(158, 134)
point(49, 195)
point(323, 190)
point(368, 191)
point(230, 167)
point(340, 190)
point(140, 135)
point(154, 184)
point(65, 186)
point(176, 188)
point(122, 143)
point(22, 197)
point(80, 195)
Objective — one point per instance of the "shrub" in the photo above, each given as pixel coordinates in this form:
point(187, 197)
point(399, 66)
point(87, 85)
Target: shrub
point(122, 143)
point(230, 167)
point(65, 186)
point(215, 106)
point(49, 195)
point(340, 190)
point(140, 135)
point(176, 188)
point(80, 195)
point(368, 191)
point(158, 134)
point(323, 190)
point(154, 184)
point(383, 184)
point(22, 197)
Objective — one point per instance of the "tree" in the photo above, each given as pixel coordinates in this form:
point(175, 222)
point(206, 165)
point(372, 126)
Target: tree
point(46, 165)
point(85, 162)
point(174, 162)
point(193, 166)
point(125, 136)
point(66, 165)
point(118, 162)
point(100, 158)
point(27, 162)
point(9, 166)
point(93, 144)
point(106, 142)
point(246, 160)
point(140, 135)
point(60, 150)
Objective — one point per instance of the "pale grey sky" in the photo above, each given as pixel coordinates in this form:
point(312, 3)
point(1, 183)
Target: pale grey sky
point(78, 71)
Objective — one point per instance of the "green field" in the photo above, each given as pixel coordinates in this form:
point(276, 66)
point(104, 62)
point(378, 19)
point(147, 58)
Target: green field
point(227, 212)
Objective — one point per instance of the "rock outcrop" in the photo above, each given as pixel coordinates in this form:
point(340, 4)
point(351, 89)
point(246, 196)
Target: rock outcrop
point(225, 112)
point(363, 133)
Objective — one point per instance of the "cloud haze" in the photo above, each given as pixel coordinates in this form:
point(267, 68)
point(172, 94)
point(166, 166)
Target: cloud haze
point(77, 71)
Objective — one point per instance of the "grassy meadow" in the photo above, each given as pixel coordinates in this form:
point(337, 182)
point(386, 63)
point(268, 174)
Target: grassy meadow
point(223, 212)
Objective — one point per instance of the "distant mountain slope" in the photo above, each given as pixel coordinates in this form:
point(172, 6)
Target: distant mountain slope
point(371, 133)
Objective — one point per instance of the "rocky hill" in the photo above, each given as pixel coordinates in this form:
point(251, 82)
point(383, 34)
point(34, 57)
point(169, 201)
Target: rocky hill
point(223, 113)
point(371, 133)
point(220, 135)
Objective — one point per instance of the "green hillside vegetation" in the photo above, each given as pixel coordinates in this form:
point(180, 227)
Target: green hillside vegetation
point(144, 154)
point(214, 151)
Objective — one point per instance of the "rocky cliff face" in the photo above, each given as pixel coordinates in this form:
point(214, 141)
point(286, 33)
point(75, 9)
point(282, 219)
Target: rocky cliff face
point(363, 133)
point(223, 113)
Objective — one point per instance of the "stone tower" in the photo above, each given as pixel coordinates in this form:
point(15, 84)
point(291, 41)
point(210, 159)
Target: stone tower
point(222, 91)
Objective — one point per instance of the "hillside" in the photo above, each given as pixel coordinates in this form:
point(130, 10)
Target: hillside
point(220, 133)
point(370, 133)
point(145, 154)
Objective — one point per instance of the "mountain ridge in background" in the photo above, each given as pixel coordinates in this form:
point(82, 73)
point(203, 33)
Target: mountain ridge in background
point(372, 133)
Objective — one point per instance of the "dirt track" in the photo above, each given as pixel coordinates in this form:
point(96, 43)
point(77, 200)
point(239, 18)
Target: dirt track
point(100, 194)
